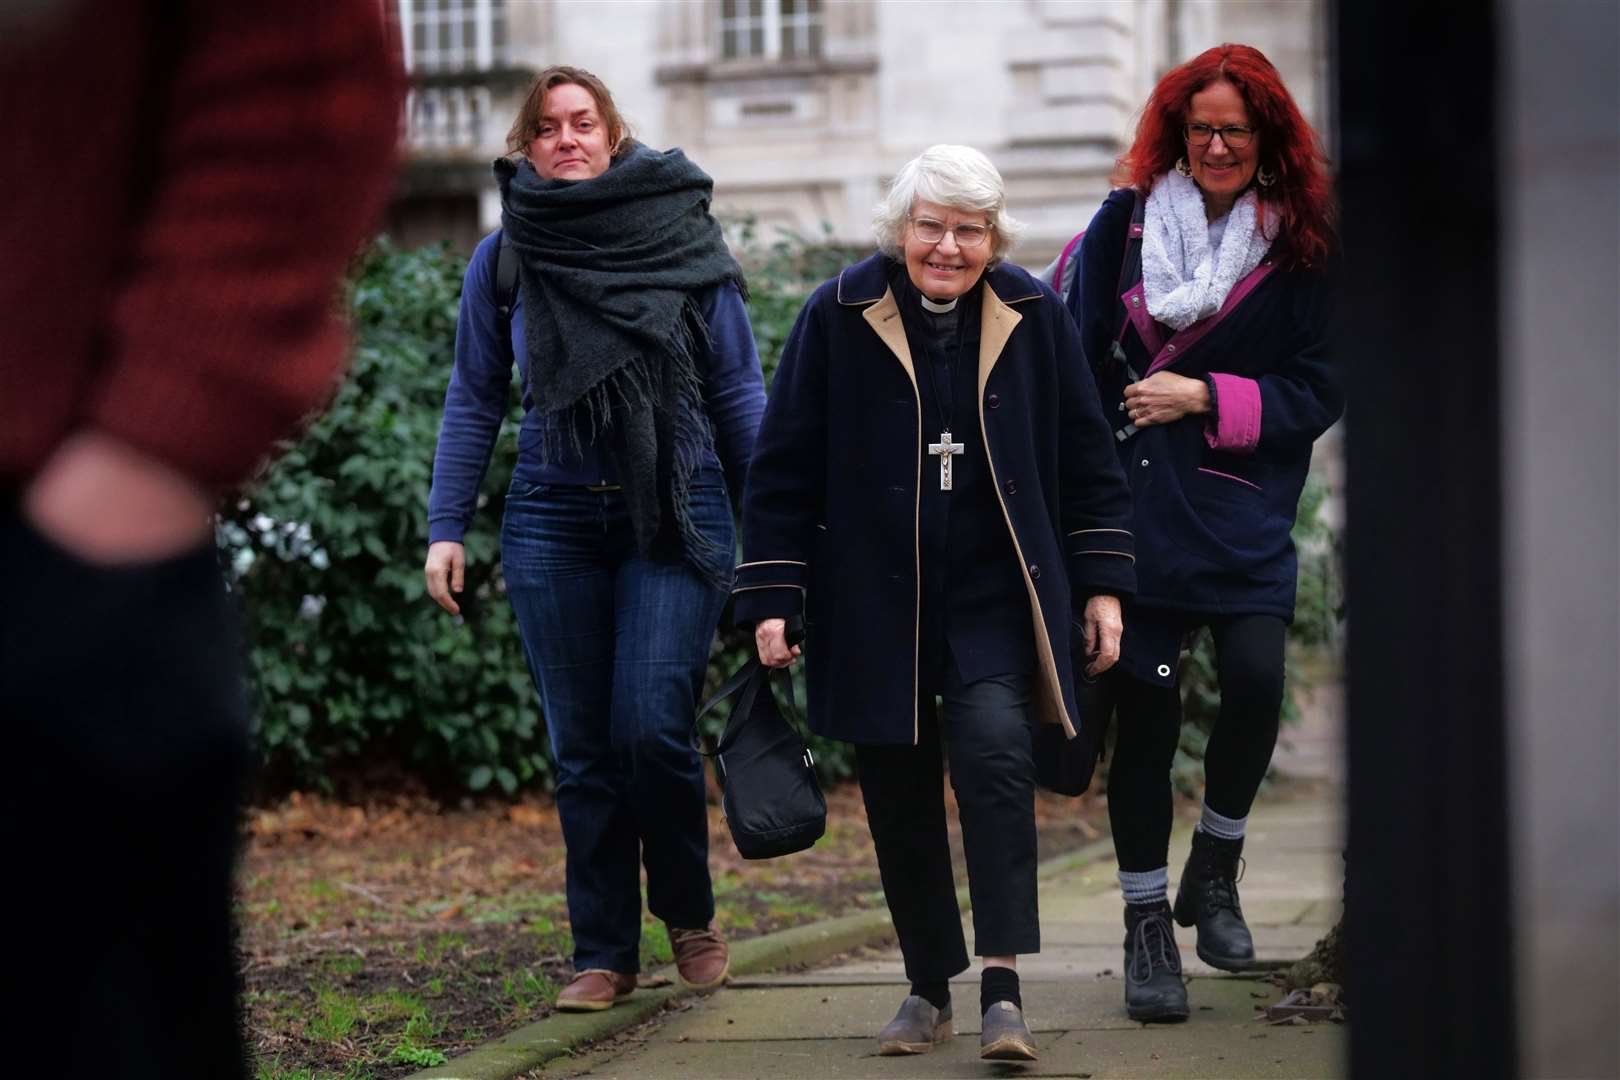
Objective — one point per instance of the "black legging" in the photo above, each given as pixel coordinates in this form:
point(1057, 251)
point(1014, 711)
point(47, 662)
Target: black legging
point(1249, 665)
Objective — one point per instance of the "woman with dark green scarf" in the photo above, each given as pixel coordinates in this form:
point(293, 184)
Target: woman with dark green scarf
point(642, 393)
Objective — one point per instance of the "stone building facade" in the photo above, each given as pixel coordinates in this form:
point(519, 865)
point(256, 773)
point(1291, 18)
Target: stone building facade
point(802, 109)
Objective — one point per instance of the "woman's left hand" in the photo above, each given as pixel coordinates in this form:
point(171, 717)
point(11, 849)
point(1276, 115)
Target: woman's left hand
point(1103, 625)
point(1164, 398)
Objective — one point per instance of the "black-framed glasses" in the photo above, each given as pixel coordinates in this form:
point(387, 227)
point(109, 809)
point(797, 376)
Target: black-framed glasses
point(930, 231)
point(1235, 136)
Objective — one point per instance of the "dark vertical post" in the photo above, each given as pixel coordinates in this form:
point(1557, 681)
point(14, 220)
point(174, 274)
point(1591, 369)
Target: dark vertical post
point(1427, 921)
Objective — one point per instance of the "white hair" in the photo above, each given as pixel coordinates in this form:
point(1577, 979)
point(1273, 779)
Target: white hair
point(959, 177)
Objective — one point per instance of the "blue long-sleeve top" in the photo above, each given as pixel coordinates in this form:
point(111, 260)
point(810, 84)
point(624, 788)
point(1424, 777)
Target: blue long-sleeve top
point(487, 347)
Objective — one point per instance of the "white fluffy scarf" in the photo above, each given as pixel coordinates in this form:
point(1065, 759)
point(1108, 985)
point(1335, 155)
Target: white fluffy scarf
point(1183, 279)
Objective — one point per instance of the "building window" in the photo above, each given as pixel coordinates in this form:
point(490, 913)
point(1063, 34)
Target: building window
point(770, 29)
point(453, 35)
point(446, 37)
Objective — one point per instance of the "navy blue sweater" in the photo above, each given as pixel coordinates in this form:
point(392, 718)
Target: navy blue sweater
point(1215, 497)
point(475, 403)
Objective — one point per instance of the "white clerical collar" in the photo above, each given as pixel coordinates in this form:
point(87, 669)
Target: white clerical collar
point(935, 308)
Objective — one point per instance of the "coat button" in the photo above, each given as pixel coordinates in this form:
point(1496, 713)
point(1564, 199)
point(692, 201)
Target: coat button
point(1011, 487)
point(994, 401)
point(1164, 671)
point(1169, 348)
point(1144, 463)
point(1136, 301)
point(1034, 571)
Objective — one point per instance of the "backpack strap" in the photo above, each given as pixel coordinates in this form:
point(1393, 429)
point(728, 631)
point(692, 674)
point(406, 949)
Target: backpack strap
point(1130, 266)
point(1063, 265)
point(506, 278)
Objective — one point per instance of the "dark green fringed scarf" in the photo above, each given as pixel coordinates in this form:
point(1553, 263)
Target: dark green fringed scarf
point(610, 269)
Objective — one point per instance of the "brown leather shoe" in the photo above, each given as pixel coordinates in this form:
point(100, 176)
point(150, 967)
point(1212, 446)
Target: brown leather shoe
point(594, 989)
point(701, 958)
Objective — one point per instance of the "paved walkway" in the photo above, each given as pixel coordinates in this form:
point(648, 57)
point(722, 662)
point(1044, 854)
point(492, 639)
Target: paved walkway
point(821, 1023)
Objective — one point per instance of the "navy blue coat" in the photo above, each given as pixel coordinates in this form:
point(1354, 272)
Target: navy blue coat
point(1215, 498)
point(830, 510)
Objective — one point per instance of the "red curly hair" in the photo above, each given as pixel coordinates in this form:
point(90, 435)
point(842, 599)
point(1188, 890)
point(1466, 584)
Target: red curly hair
point(1302, 197)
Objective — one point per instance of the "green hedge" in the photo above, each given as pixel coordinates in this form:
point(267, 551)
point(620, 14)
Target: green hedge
point(351, 665)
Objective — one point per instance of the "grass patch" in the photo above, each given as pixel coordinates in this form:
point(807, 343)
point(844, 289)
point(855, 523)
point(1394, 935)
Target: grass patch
point(337, 1014)
point(421, 1056)
point(343, 964)
point(777, 903)
point(421, 1028)
point(530, 908)
point(529, 989)
point(656, 950)
point(394, 1005)
point(274, 1071)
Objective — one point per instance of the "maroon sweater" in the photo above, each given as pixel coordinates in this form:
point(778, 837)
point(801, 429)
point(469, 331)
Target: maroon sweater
point(181, 185)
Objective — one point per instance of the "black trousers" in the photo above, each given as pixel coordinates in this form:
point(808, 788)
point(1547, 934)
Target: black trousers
point(1249, 663)
point(121, 693)
point(985, 729)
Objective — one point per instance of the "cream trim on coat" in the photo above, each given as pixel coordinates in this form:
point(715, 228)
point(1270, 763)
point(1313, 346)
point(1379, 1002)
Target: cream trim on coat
point(884, 318)
point(997, 323)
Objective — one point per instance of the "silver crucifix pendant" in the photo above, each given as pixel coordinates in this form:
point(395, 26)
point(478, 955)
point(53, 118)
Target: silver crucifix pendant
point(943, 450)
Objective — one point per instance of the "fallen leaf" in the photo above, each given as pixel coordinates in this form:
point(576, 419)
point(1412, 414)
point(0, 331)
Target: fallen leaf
point(526, 816)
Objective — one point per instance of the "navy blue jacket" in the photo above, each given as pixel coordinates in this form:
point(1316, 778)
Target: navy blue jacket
point(1215, 497)
point(481, 382)
point(830, 513)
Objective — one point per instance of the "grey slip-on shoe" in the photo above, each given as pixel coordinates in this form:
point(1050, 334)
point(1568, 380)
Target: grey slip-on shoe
point(1005, 1035)
point(915, 1028)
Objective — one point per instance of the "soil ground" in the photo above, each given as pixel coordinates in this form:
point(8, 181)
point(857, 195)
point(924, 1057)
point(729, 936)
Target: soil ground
point(376, 937)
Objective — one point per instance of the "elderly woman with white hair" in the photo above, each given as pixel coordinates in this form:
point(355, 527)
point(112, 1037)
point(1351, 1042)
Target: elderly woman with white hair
point(934, 492)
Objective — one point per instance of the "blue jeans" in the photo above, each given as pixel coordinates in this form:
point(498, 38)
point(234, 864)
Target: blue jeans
point(618, 645)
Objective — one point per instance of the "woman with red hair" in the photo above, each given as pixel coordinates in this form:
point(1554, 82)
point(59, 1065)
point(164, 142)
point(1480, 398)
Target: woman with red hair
point(1203, 304)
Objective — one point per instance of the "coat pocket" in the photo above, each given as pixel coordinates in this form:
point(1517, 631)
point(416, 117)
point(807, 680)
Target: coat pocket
point(1230, 477)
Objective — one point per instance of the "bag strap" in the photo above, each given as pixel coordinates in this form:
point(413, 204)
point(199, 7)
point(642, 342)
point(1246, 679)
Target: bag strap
point(739, 679)
point(748, 680)
point(506, 278)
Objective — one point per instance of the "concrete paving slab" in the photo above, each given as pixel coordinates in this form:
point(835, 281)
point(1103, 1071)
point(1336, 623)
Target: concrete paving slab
point(1171, 1053)
point(1240, 1052)
point(822, 1059)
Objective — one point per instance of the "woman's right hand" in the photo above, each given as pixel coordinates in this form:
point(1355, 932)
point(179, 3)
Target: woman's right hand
point(770, 638)
point(445, 572)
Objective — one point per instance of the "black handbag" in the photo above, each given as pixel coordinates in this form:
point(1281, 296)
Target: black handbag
point(1064, 765)
point(769, 793)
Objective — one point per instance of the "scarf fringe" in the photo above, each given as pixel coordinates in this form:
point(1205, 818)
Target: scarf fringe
point(639, 386)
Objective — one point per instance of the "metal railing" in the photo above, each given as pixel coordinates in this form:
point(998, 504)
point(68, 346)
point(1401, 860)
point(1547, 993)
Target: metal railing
point(448, 117)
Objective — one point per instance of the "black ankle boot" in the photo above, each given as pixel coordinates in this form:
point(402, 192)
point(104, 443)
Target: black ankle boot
point(1208, 897)
point(1153, 987)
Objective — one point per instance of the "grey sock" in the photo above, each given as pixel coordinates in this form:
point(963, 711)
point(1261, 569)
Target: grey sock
point(1147, 887)
point(1222, 828)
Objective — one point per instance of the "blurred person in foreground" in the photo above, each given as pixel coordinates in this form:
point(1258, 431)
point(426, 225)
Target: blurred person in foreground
point(935, 492)
point(183, 185)
point(1213, 363)
point(641, 393)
